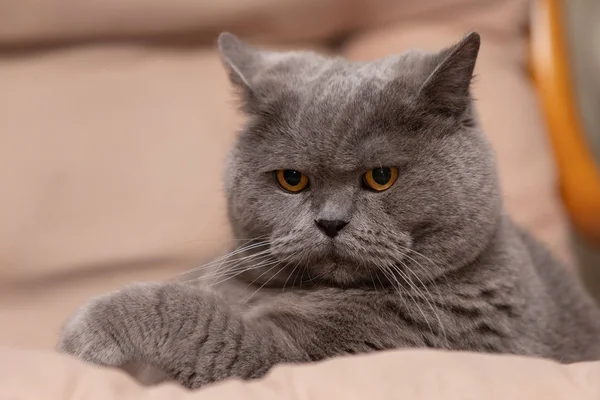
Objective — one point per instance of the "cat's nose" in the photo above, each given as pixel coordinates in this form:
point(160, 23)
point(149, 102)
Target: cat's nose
point(331, 227)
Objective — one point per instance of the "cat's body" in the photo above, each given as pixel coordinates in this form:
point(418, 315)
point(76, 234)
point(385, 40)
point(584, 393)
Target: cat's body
point(392, 235)
point(505, 301)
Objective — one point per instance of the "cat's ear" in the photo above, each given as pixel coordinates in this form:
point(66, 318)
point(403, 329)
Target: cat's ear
point(241, 59)
point(446, 90)
point(244, 63)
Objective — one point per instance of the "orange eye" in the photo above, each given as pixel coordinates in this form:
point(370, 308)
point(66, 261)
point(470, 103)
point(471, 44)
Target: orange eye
point(380, 179)
point(291, 180)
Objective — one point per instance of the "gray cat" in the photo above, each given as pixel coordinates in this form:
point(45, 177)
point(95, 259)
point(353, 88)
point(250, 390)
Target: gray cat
point(370, 197)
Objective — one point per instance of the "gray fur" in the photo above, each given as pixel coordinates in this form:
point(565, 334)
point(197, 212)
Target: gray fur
point(431, 262)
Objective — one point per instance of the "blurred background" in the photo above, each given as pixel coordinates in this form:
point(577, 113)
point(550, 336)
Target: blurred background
point(116, 115)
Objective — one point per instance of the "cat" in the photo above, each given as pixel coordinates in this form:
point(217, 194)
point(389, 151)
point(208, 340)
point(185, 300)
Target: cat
point(372, 200)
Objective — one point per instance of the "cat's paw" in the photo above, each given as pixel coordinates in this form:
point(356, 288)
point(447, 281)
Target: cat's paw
point(90, 333)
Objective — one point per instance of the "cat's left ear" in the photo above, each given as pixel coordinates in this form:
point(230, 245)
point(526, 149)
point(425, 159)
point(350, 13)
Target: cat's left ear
point(446, 90)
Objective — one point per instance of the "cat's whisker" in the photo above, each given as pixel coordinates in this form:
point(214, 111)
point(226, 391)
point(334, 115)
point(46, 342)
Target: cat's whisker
point(428, 275)
point(431, 302)
point(237, 266)
point(251, 268)
point(259, 257)
point(373, 281)
point(232, 264)
point(249, 257)
point(317, 278)
point(267, 271)
point(413, 251)
point(265, 283)
point(295, 278)
point(289, 276)
point(425, 271)
point(356, 269)
point(224, 240)
point(406, 279)
point(433, 282)
point(391, 278)
point(224, 257)
point(235, 261)
point(408, 251)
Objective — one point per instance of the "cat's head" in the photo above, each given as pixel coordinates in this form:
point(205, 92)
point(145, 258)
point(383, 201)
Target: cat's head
point(353, 170)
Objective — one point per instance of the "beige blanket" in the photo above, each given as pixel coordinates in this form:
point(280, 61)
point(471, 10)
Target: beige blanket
point(409, 374)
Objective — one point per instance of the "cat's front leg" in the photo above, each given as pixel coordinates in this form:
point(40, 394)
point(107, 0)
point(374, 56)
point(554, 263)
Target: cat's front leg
point(197, 338)
point(192, 335)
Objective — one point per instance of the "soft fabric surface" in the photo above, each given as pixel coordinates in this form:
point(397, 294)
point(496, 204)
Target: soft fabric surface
point(415, 375)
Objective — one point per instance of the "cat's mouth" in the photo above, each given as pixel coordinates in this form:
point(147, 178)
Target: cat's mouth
point(358, 257)
point(336, 253)
point(338, 257)
point(347, 258)
point(343, 270)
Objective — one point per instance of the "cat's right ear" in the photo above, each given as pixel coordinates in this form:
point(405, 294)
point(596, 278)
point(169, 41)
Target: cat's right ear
point(244, 63)
point(447, 89)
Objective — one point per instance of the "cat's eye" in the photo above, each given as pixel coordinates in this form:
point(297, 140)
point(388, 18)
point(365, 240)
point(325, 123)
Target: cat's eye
point(291, 180)
point(380, 179)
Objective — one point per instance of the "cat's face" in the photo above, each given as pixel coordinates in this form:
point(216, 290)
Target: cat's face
point(355, 171)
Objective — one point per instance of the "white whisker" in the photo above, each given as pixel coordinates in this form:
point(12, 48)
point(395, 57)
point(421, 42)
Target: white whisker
point(267, 281)
point(431, 303)
point(237, 273)
point(289, 276)
point(265, 256)
point(225, 257)
point(391, 278)
point(409, 282)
